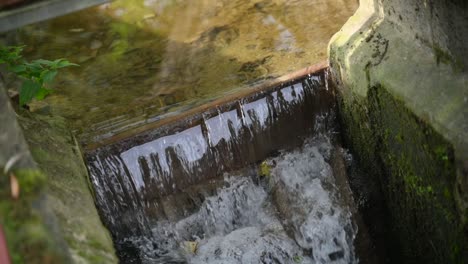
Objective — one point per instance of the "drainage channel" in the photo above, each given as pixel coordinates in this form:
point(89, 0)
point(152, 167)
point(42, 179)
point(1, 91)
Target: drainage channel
point(260, 178)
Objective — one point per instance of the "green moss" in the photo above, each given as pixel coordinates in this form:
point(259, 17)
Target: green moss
point(444, 57)
point(415, 168)
point(441, 56)
point(29, 241)
point(31, 181)
point(68, 193)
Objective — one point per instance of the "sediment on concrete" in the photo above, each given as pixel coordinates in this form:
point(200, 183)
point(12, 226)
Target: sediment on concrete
point(401, 72)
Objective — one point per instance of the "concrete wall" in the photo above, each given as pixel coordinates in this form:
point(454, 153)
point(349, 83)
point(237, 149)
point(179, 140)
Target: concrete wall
point(401, 67)
point(53, 218)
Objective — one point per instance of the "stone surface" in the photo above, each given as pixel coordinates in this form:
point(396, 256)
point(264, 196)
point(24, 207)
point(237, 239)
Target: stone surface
point(54, 220)
point(68, 194)
point(29, 228)
point(402, 72)
point(11, 136)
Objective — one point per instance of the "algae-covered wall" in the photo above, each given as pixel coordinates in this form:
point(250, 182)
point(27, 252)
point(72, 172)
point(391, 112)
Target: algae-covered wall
point(68, 194)
point(401, 72)
point(29, 230)
point(52, 219)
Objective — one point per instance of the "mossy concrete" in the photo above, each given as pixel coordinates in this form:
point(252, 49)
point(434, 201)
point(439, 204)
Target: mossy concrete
point(69, 195)
point(29, 228)
point(401, 72)
point(54, 219)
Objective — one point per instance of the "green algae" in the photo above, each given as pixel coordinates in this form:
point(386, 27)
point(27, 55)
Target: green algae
point(28, 238)
point(444, 57)
point(67, 193)
point(54, 219)
point(405, 119)
point(415, 168)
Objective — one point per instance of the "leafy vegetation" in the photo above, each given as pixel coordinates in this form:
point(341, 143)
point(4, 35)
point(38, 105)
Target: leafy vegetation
point(36, 75)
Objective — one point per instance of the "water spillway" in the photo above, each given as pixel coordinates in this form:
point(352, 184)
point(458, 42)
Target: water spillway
point(196, 181)
point(189, 164)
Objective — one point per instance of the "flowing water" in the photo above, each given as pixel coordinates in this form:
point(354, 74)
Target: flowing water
point(259, 179)
point(293, 215)
point(255, 181)
point(134, 177)
point(144, 58)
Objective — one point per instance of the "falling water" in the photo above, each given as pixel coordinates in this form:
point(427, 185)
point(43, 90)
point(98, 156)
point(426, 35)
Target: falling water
point(293, 215)
point(190, 191)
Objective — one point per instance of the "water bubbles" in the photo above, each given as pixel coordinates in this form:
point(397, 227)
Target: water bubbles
point(294, 217)
point(165, 185)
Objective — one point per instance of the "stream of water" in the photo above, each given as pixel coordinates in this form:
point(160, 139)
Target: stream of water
point(255, 181)
point(143, 58)
point(295, 214)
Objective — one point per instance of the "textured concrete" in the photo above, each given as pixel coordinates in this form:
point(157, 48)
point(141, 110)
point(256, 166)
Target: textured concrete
point(11, 136)
point(402, 71)
point(68, 193)
point(29, 211)
point(54, 219)
point(416, 48)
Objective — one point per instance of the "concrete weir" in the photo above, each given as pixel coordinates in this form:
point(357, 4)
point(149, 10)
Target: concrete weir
point(221, 176)
point(234, 131)
point(396, 81)
point(145, 168)
point(401, 70)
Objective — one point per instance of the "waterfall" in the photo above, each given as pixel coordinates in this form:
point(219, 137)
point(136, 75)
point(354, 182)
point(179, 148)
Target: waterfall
point(147, 179)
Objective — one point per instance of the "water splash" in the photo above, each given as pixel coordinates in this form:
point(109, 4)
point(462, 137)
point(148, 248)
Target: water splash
point(307, 196)
point(162, 188)
point(293, 216)
point(133, 177)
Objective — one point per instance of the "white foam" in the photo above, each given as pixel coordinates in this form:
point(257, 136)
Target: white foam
point(241, 225)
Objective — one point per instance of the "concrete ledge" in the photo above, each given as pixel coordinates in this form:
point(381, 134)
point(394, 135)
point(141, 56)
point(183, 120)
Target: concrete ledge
point(53, 219)
point(402, 72)
point(43, 10)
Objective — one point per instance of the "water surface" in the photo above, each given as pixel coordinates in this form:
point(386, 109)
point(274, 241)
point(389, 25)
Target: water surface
point(140, 59)
point(236, 184)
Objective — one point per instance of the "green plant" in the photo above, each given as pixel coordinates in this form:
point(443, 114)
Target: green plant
point(35, 74)
point(297, 259)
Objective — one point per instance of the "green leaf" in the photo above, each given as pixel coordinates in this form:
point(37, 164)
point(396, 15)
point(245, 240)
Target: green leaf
point(48, 76)
point(44, 62)
point(35, 73)
point(297, 259)
point(265, 169)
point(10, 54)
point(18, 69)
point(34, 67)
point(27, 92)
point(61, 63)
point(42, 93)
